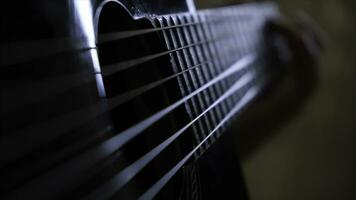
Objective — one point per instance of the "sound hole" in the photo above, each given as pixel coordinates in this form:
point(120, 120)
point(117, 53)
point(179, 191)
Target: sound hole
point(120, 79)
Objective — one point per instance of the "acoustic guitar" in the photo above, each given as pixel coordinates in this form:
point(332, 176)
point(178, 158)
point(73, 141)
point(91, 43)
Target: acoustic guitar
point(128, 99)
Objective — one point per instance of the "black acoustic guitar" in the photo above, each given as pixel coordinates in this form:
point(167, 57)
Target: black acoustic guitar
point(128, 99)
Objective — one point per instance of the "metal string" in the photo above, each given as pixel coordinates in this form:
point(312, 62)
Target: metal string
point(33, 49)
point(67, 122)
point(76, 118)
point(120, 179)
point(153, 190)
point(108, 37)
point(124, 65)
point(76, 165)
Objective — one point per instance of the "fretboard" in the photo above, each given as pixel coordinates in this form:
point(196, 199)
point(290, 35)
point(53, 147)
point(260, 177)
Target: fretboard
point(226, 48)
point(90, 114)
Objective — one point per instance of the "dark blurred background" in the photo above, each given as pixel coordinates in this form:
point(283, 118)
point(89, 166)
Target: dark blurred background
point(312, 155)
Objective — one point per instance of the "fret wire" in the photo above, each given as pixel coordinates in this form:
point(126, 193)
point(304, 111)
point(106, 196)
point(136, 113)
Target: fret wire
point(123, 177)
point(194, 58)
point(183, 85)
point(233, 20)
point(209, 52)
point(201, 76)
point(76, 165)
point(197, 102)
point(229, 46)
point(219, 62)
point(224, 47)
point(193, 32)
point(154, 189)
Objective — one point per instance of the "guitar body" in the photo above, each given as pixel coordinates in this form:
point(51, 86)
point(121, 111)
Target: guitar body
point(106, 99)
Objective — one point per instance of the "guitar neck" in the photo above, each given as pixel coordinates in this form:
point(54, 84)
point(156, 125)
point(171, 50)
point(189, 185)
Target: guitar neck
point(227, 50)
point(95, 101)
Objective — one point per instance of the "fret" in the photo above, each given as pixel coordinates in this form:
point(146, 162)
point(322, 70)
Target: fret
point(209, 51)
point(234, 23)
point(195, 77)
point(233, 47)
point(202, 76)
point(200, 127)
point(211, 32)
point(160, 22)
point(228, 43)
point(196, 34)
point(231, 19)
point(240, 34)
point(244, 25)
point(228, 46)
point(216, 31)
point(245, 34)
point(223, 45)
point(249, 37)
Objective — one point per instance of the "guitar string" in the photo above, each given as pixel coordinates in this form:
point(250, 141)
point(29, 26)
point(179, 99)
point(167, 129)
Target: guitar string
point(123, 177)
point(69, 122)
point(123, 98)
point(78, 79)
point(76, 165)
point(10, 55)
point(154, 189)
point(172, 50)
point(33, 49)
point(57, 85)
point(125, 136)
point(124, 65)
point(113, 36)
point(63, 84)
point(78, 117)
point(74, 77)
point(162, 186)
point(81, 116)
point(118, 181)
point(121, 101)
point(189, 81)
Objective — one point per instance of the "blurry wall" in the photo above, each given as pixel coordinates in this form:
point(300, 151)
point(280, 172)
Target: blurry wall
point(313, 156)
